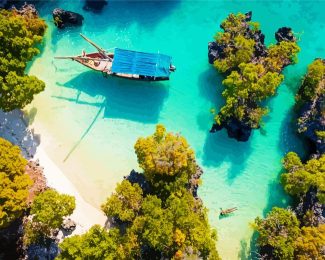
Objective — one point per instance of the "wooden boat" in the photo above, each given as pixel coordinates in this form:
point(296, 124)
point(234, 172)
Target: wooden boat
point(126, 64)
point(227, 211)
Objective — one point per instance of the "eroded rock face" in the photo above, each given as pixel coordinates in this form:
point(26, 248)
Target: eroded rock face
point(285, 34)
point(68, 225)
point(235, 129)
point(64, 18)
point(312, 118)
point(310, 203)
point(94, 5)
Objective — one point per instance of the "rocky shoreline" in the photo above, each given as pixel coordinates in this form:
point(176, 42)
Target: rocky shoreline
point(311, 118)
point(218, 51)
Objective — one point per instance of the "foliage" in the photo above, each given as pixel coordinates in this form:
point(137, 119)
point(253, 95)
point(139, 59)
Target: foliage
point(281, 55)
point(253, 74)
point(160, 224)
point(14, 183)
point(18, 36)
point(245, 89)
point(279, 230)
point(310, 243)
point(167, 160)
point(311, 86)
point(49, 208)
point(97, 243)
point(125, 203)
point(300, 177)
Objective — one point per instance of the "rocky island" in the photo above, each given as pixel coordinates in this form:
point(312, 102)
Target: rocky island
point(252, 71)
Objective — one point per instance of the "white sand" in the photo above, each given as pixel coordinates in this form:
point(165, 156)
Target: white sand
point(14, 129)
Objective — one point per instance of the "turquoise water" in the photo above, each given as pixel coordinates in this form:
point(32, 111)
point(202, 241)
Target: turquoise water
point(89, 124)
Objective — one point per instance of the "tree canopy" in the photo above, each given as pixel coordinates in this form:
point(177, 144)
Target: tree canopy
point(18, 36)
point(47, 213)
point(125, 203)
point(279, 231)
point(14, 183)
point(280, 236)
point(252, 70)
point(49, 208)
point(300, 177)
point(167, 223)
point(167, 160)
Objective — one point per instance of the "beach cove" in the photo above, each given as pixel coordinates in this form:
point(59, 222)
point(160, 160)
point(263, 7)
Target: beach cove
point(88, 124)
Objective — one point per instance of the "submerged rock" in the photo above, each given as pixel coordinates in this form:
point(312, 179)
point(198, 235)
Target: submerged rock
point(64, 18)
point(94, 5)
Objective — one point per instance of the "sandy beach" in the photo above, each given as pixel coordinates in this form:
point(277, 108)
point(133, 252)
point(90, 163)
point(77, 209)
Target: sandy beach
point(14, 128)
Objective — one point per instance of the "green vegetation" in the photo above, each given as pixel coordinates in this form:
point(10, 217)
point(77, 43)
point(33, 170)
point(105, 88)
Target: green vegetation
point(47, 210)
point(300, 177)
point(313, 83)
point(311, 95)
point(279, 230)
point(281, 237)
point(166, 223)
point(253, 70)
point(167, 161)
point(125, 203)
point(14, 183)
point(18, 36)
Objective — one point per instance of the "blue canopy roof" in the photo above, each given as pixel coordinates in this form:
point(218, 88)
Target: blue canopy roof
point(141, 63)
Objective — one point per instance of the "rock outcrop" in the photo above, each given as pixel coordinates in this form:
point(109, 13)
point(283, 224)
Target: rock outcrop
point(221, 53)
point(311, 117)
point(63, 18)
point(235, 129)
point(285, 34)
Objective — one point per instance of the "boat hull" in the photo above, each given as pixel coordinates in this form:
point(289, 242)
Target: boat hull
point(104, 66)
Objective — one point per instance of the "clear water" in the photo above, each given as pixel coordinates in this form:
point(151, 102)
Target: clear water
point(89, 124)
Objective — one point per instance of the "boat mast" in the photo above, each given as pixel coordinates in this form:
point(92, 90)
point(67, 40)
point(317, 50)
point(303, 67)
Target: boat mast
point(100, 50)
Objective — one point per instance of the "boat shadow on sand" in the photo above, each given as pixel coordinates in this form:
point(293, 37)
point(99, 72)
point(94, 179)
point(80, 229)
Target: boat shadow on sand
point(119, 98)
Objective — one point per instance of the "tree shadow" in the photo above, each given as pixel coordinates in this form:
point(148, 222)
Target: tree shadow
point(123, 98)
point(210, 85)
point(249, 251)
point(276, 196)
point(124, 13)
point(218, 148)
point(14, 128)
point(289, 139)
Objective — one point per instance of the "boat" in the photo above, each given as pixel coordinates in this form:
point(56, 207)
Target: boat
point(227, 211)
point(126, 63)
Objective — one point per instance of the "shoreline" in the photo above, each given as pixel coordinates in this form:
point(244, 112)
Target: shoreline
point(14, 128)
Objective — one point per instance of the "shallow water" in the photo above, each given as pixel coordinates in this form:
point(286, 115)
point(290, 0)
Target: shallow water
point(89, 124)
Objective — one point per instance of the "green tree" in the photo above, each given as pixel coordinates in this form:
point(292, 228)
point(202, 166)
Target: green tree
point(279, 230)
point(49, 208)
point(14, 183)
point(18, 36)
point(125, 203)
point(244, 92)
point(300, 177)
point(311, 85)
point(310, 243)
point(98, 244)
point(167, 160)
